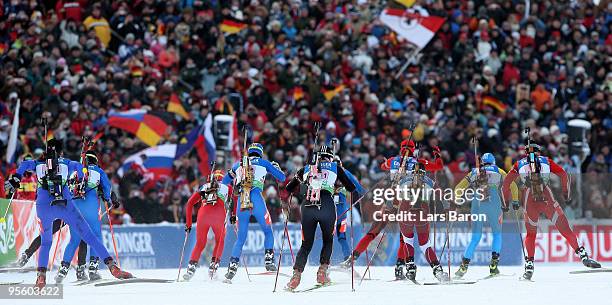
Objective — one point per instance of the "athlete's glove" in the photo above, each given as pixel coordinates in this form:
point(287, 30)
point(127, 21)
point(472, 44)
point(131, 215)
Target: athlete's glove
point(275, 164)
point(516, 205)
point(337, 159)
point(12, 184)
point(187, 228)
point(114, 201)
point(233, 219)
point(436, 152)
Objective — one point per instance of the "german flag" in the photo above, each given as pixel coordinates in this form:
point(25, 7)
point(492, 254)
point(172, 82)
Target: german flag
point(176, 106)
point(298, 93)
point(331, 93)
point(148, 126)
point(495, 103)
point(231, 26)
point(406, 3)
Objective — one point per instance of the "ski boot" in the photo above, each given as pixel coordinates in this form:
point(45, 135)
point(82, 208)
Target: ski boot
point(346, 264)
point(94, 263)
point(463, 268)
point(440, 274)
point(80, 273)
point(23, 259)
point(528, 268)
point(399, 270)
point(232, 269)
point(116, 271)
point(323, 275)
point(62, 272)
point(214, 265)
point(269, 260)
point(191, 269)
point(586, 261)
point(493, 270)
point(411, 269)
point(295, 280)
point(41, 277)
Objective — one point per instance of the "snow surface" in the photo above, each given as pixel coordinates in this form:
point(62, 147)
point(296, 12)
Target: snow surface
point(553, 285)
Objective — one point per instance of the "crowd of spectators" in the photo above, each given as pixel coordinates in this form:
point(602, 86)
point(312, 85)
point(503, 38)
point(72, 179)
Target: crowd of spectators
point(75, 61)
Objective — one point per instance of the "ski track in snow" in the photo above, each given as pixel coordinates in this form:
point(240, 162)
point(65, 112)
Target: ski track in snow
point(553, 285)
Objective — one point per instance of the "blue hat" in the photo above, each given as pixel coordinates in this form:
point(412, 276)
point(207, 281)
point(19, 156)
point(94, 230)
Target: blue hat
point(488, 158)
point(256, 148)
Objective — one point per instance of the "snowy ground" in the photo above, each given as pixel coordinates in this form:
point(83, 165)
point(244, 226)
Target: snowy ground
point(553, 285)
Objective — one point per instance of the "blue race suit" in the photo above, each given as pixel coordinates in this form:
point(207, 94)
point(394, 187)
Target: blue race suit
point(47, 213)
point(89, 206)
point(341, 212)
point(490, 206)
point(261, 168)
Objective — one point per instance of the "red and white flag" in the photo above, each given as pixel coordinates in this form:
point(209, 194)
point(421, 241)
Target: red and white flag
point(411, 25)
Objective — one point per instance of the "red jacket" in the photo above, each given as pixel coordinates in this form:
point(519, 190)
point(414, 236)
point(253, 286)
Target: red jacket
point(554, 168)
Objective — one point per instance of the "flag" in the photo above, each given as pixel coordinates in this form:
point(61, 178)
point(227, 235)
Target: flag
point(414, 27)
point(205, 146)
point(176, 106)
point(298, 93)
point(330, 93)
point(231, 27)
point(495, 103)
point(235, 141)
point(12, 143)
point(406, 3)
point(148, 126)
point(157, 160)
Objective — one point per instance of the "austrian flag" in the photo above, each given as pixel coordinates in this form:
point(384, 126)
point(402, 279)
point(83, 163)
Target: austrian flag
point(412, 26)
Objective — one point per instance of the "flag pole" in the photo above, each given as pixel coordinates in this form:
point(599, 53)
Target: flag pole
point(413, 53)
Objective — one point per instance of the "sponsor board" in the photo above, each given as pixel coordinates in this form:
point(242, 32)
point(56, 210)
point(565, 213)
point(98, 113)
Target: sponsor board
point(159, 245)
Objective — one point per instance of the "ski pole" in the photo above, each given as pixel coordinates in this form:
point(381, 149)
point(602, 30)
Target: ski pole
point(280, 256)
point(448, 254)
point(57, 242)
point(519, 232)
point(373, 255)
point(352, 245)
point(360, 198)
point(246, 268)
point(288, 214)
point(182, 253)
point(3, 219)
point(110, 225)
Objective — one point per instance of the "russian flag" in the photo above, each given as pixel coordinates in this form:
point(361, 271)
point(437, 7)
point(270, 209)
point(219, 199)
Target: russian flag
point(205, 146)
point(157, 160)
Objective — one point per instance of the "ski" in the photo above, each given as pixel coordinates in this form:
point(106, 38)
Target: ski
point(17, 269)
point(270, 273)
point(404, 280)
point(227, 281)
point(450, 283)
point(492, 276)
point(133, 280)
point(88, 282)
point(10, 283)
point(315, 287)
point(599, 270)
